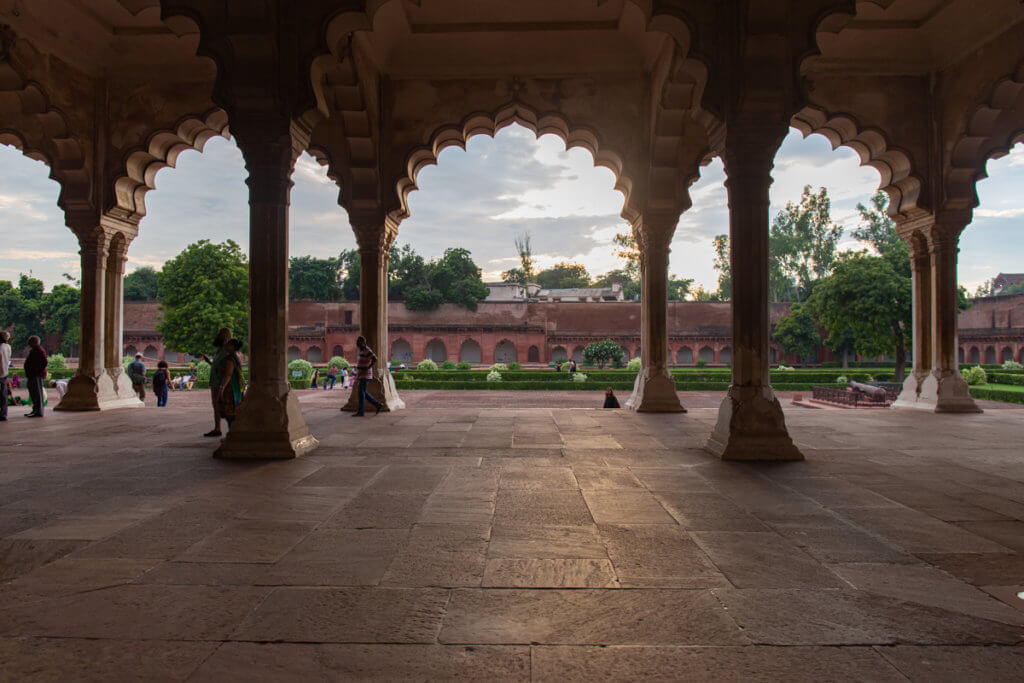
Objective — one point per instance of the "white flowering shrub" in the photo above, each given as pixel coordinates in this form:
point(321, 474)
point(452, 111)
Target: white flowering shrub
point(493, 376)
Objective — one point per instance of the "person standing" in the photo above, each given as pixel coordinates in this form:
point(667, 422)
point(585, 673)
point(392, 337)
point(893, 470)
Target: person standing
point(232, 384)
point(364, 373)
point(609, 399)
point(331, 377)
point(215, 377)
point(316, 378)
point(35, 373)
point(5, 364)
point(137, 374)
point(161, 383)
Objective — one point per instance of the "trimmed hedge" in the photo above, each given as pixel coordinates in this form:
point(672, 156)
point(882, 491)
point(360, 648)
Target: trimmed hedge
point(1006, 378)
point(300, 383)
point(574, 386)
point(808, 376)
point(997, 395)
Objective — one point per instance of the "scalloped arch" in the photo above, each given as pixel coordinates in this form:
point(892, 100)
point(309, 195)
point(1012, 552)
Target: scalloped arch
point(31, 124)
point(483, 123)
point(162, 150)
point(991, 132)
point(893, 164)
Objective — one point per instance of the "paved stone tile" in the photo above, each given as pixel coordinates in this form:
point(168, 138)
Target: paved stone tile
point(48, 659)
point(917, 532)
point(626, 506)
point(980, 570)
point(763, 560)
point(79, 528)
point(549, 573)
point(407, 479)
point(380, 510)
point(71, 575)
point(347, 615)
point(849, 617)
point(537, 478)
point(927, 586)
point(21, 555)
point(675, 479)
point(538, 508)
point(162, 536)
point(289, 661)
point(459, 509)
point(605, 478)
point(707, 512)
point(956, 663)
point(1008, 533)
point(658, 555)
point(441, 555)
point(831, 540)
point(546, 542)
point(150, 612)
point(248, 541)
point(625, 617)
point(301, 503)
point(687, 663)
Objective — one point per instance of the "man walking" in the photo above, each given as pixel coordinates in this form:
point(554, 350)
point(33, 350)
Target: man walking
point(5, 364)
point(364, 373)
point(35, 373)
point(137, 374)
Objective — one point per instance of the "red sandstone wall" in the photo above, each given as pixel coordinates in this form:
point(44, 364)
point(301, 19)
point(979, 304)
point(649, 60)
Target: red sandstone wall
point(994, 312)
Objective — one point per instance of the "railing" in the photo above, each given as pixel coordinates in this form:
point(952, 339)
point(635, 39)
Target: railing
point(855, 399)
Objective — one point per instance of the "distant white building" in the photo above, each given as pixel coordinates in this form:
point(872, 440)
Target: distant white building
point(583, 294)
point(510, 291)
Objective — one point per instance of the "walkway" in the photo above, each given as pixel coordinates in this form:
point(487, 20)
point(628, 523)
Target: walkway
point(452, 540)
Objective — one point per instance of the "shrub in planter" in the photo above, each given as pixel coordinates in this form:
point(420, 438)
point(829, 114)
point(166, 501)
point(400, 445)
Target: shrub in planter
point(1007, 366)
point(701, 363)
point(974, 376)
point(494, 375)
point(500, 367)
point(426, 364)
point(515, 366)
point(634, 364)
point(463, 365)
point(299, 365)
point(579, 377)
point(338, 362)
point(783, 368)
point(57, 362)
point(841, 379)
point(448, 365)
point(202, 371)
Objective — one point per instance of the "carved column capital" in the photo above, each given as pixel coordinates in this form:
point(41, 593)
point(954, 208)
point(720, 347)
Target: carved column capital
point(374, 231)
point(654, 231)
point(270, 144)
point(749, 155)
point(944, 234)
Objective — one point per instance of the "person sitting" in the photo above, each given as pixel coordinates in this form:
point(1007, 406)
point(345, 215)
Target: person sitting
point(609, 399)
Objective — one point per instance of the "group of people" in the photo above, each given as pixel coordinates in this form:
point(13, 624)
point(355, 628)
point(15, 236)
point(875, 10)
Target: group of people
point(331, 378)
point(35, 374)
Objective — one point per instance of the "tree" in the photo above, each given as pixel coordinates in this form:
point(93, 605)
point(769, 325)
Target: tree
point(866, 298)
point(564, 275)
point(406, 270)
point(21, 309)
point(314, 278)
point(202, 289)
point(142, 284)
point(797, 332)
point(348, 263)
point(601, 353)
point(630, 286)
point(61, 312)
point(723, 265)
point(679, 289)
point(454, 278)
point(879, 230)
point(526, 272)
point(802, 244)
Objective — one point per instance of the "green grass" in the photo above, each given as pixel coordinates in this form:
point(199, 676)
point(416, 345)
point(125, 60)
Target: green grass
point(1005, 387)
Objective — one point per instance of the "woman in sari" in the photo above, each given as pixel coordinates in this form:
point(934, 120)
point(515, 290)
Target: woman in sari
point(215, 376)
point(232, 384)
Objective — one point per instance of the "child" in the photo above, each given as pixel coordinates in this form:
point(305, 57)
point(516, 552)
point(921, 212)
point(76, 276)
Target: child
point(161, 382)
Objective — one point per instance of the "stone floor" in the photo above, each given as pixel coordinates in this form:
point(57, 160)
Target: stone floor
point(460, 539)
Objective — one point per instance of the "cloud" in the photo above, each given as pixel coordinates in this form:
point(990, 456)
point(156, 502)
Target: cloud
point(999, 213)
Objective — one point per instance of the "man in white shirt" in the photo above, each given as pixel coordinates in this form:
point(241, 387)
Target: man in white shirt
point(5, 364)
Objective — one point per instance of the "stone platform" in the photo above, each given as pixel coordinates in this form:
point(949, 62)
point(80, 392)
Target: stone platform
point(460, 538)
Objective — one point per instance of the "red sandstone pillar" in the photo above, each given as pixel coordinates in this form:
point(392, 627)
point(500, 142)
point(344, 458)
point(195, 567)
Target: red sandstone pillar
point(750, 424)
point(269, 422)
point(921, 345)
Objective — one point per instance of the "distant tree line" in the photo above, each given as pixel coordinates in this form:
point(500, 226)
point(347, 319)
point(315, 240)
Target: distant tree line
point(28, 310)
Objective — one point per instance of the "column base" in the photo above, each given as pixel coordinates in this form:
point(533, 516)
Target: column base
point(751, 426)
point(654, 392)
point(95, 392)
point(381, 388)
point(267, 428)
point(911, 393)
point(945, 391)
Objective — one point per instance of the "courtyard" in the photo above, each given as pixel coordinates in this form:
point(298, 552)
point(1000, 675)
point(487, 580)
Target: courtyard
point(515, 536)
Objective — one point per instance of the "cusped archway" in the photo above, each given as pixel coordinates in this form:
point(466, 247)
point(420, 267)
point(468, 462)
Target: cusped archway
point(469, 352)
point(401, 351)
point(505, 352)
point(436, 351)
point(684, 356)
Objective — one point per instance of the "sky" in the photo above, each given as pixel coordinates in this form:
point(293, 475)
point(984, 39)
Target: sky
point(480, 199)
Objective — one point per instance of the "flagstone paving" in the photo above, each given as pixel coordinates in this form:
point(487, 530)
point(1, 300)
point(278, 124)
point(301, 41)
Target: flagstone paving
point(535, 539)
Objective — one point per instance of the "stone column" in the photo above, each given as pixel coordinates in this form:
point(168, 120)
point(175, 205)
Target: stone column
point(750, 421)
point(269, 422)
point(920, 263)
point(114, 320)
point(375, 236)
point(92, 388)
point(654, 390)
point(945, 390)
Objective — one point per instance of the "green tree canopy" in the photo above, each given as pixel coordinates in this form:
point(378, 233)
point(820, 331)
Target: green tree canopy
point(564, 275)
point(61, 313)
point(27, 310)
point(866, 298)
point(142, 284)
point(204, 288)
point(526, 272)
point(314, 278)
point(797, 333)
point(348, 262)
point(601, 353)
